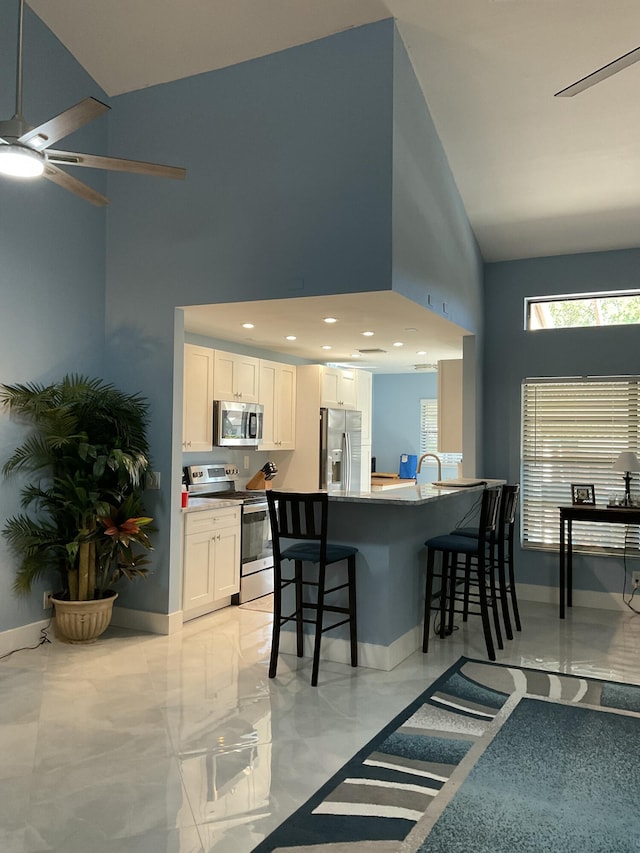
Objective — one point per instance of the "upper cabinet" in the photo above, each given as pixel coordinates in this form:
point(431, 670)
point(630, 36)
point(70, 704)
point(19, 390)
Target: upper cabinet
point(338, 388)
point(236, 377)
point(278, 396)
point(197, 401)
point(450, 406)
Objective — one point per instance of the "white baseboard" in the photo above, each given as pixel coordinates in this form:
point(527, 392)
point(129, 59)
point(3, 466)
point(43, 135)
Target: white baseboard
point(581, 597)
point(23, 637)
point(369, 654)
point(142, 620)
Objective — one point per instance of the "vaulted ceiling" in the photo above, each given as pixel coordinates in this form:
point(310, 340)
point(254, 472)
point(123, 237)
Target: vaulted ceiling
point(538, 175)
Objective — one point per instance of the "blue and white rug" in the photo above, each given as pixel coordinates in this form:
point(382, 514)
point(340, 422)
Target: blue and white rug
point(489, 759)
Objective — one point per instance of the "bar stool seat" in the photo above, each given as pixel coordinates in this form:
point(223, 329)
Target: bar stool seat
point(477, 553)
point(303, 517)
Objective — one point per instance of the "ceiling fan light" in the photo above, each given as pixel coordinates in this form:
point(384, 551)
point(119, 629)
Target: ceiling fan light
point(17, 161)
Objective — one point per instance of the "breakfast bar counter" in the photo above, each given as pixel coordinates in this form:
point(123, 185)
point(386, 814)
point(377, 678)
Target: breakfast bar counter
point(389, 528)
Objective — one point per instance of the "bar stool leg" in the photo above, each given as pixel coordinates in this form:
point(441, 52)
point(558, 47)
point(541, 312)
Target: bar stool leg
point(444, 589)
point(299, 608)
point(319, 622)
point(512, 586)
point(452, 591)
point(467, 588)
point(490, 564)
point(484, 610)
point(427, 600)
point(502, 583)
point(353, 633)
point(277, 620)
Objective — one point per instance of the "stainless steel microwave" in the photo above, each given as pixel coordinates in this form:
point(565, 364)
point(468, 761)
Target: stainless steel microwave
point(237, 424)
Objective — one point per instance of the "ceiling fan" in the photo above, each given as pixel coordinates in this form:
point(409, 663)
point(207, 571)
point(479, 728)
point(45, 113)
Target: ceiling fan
point(25, 152)
point(607, 70)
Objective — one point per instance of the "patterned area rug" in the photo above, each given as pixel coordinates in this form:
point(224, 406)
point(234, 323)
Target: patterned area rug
point(490, 759)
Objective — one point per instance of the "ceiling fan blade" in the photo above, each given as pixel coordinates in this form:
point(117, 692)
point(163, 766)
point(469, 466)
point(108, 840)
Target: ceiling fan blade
point(114, 164)
point(601, 74)
point(63, 124)
point(52, 173)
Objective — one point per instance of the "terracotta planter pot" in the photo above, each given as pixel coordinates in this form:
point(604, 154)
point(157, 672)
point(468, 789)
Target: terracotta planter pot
point(83, 621)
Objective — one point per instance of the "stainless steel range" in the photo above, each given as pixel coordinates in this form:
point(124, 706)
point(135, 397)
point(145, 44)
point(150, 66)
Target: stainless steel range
point(218, 480)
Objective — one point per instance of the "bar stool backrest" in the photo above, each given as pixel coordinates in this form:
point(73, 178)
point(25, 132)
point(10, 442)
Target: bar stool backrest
point(489, 515)
point(509, 506)
point(298, 515)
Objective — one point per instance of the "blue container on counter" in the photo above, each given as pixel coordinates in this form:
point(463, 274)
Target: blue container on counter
point(408, 465)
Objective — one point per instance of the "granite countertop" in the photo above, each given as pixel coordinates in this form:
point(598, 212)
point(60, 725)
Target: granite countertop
point(416, 495)
point(199, 504)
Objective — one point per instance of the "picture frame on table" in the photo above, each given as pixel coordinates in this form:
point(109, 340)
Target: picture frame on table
point(583, 494)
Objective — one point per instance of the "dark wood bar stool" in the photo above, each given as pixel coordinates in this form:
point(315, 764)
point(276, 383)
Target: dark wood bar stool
point(503, 554)
point(477, 554)
point(303, 517)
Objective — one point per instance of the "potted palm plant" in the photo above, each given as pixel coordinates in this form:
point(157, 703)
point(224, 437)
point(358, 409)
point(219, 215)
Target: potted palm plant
point(82, 515)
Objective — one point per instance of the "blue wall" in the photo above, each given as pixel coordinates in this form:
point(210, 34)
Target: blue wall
point(52, 249)
point(435, 253)
point(298, 164)
point(395, 424)
point(511, 354)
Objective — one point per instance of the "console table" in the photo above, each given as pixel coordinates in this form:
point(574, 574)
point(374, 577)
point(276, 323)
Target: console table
point(569, 514)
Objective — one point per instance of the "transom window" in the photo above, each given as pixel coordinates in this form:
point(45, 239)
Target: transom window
point(572, 432)
point(595, 309)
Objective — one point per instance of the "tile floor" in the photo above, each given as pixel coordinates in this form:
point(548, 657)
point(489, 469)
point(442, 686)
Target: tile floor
point(181, 744)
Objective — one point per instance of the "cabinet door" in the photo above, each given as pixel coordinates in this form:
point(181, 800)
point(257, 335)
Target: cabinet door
point(365, 468)
point(247, 378)
point(223, 376)
point(331, 387)
point(197, 410)
point(268, 371)
point(450, 406)
point(198, 583)
point(227, 561)
point(285, 407)
point(348, 391)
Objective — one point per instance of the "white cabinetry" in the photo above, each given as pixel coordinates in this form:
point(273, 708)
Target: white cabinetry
point(211, 563)
point(450, 406)
point(235, 377)
point(278, 396)
point(338, 388)
point(197, 406)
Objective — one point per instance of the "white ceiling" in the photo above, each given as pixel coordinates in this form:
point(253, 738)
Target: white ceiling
point(426, 337)
point(538, 175)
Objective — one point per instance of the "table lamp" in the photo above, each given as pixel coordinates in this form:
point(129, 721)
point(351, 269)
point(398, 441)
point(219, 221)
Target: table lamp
point(627, 462)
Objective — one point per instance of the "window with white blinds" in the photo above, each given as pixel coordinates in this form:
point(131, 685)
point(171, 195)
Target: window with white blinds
point(572, 432)
point(429, 432)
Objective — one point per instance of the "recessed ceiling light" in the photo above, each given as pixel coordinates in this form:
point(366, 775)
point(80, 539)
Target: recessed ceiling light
point(368, 334)
point(330, 320)
point(290, 338)
point(326, 346)
point(421, 352)
point(410, 329)
point(355, 355)
point(398, 344)
point(247, 325)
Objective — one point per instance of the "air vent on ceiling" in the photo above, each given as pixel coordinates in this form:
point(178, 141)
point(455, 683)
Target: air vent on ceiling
point(426, 367)
point(374, 351)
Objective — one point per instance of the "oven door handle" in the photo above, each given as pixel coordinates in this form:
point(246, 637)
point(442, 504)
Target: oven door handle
point(247, 509)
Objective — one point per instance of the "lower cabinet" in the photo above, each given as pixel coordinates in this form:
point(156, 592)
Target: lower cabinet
point(211, 560)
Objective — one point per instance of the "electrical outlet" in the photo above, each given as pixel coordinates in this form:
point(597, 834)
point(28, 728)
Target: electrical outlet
point(635, 579)
point(46, 600)
point(153, 480)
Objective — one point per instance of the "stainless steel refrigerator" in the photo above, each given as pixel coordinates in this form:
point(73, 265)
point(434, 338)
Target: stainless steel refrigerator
point(340, 449)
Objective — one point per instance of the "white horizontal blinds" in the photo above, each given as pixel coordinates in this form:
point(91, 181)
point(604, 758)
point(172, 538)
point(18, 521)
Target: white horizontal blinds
point(572, 432)
point(429, 432)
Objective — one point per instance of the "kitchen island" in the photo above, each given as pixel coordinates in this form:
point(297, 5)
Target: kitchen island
point(389, 529)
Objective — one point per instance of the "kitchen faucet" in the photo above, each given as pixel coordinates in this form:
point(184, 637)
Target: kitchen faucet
point(434, 456)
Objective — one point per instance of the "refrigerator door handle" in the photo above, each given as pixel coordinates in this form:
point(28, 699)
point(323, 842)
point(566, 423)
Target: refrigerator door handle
point(346, 477)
